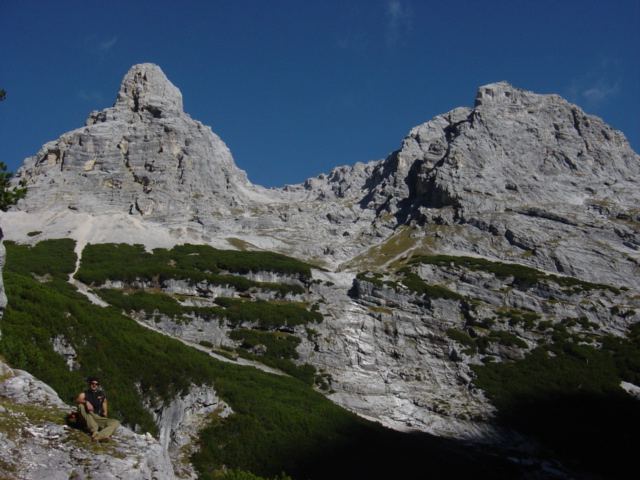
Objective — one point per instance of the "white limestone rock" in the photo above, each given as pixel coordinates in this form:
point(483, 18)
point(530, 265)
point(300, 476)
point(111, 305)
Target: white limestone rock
point(180, 421)
point(36, 447)
point(144, 157)
point(3, 296)
point(532, 174)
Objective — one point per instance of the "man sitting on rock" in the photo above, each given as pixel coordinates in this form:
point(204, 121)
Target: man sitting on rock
point(92, 411)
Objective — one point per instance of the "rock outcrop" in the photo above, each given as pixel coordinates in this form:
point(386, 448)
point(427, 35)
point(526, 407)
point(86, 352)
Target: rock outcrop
point(36, 443)
point(529, 178)
point(180, 420)
point(3, 297)
point(144, 156)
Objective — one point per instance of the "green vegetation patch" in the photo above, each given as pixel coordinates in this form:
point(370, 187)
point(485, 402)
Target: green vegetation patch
point(274, 349)
point(523, 277)
point(192, 263)
point(267, 315)
point(412, 282)
point(279, 423)
point(278, 345)
point(49, 257)
point(463, 339)
point(264, 314)
point(568, 395)
point(416, 284)
point(528, 320)
point(141, 301)
point(373, 278)
point(482, 343)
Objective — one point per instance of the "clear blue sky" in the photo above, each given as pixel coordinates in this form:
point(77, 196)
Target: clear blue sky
point(296, 88)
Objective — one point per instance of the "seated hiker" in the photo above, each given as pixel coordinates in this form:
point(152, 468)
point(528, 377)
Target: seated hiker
point(92, 412)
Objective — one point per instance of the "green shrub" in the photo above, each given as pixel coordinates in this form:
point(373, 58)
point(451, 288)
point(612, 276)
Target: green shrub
point(266, 315)
point(49, 257)
point(414, 283)
point(523, 277)
point(193, 263)
point(463, 339)
point(508, 339)
point(141, 301)
point(278, 345)
point(551, 392)
point(460, 337)
point(544, 325)
point(370, 278)
point(519, 317)
point(237, 474)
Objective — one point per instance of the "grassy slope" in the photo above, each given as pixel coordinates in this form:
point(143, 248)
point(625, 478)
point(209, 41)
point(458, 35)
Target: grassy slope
point(280, 423)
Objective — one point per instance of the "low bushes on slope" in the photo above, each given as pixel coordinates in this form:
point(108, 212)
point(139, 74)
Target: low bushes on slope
point(280, 423)
point(523, 277)
point(565, 391)
point(265, 315)
point(567, 394)
point(194, 263)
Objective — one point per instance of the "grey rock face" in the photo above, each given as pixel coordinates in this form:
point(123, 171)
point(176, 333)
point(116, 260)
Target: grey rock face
point(521, 177)
point(62, 347)
point(3, 297)
point(180, 421)
point(144, 156)
point(529, 178)
point(38, 447)
point(145, 89)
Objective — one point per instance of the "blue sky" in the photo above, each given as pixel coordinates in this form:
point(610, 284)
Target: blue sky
point(294, 87)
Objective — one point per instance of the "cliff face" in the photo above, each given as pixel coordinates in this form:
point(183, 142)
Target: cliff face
point(36, 444)
point(522, 211)
point(3, 297)
point(527, 178)
point(144, 156)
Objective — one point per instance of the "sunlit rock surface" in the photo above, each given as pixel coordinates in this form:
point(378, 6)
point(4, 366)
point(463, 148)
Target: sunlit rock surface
point(520, 177)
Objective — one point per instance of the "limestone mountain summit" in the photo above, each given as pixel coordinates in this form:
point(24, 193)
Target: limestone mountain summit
point(145, 88)
point(144, 156)
point(535, 178)
point(488, 268)
point(521, 177)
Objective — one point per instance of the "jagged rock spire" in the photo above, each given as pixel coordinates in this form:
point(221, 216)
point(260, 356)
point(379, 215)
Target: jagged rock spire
point(143, 156)
point(145, 88)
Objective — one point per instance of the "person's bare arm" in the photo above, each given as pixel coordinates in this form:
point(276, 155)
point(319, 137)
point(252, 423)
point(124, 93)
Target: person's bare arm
point(82, 400)
point(104, 408)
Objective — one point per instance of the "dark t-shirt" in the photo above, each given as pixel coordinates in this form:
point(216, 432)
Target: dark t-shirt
point(96, 399)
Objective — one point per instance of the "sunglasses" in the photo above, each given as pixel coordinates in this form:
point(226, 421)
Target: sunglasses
point(94, 383)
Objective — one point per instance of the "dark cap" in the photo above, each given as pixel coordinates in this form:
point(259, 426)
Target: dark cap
point(93, 379)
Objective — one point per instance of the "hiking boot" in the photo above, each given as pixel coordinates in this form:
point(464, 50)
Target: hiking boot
point(103, 439)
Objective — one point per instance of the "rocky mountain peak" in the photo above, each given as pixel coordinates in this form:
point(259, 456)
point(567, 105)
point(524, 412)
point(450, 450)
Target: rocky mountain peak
point(144, 156)
point(520, 176)
point(502, 93)
point(146, 89)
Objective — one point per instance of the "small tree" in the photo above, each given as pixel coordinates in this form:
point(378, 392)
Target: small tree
point(9, 196)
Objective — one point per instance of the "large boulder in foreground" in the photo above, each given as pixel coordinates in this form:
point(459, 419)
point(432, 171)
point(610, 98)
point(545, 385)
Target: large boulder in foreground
point(36, 444)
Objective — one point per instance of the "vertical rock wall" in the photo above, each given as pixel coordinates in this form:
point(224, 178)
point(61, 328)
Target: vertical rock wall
point(3, 297)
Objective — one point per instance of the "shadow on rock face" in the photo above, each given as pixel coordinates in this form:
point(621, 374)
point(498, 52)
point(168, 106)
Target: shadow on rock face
point(593, 434)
